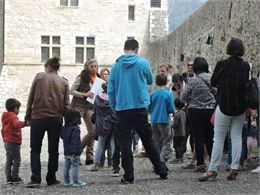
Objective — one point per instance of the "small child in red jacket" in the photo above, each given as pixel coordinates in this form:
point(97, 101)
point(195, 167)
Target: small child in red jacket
point(12, 136)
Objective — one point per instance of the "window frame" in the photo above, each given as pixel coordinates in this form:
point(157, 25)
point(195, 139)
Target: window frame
point(50, 46)
point(134, 14)
point(69, 4)
point(155, 3)
point(85, 46)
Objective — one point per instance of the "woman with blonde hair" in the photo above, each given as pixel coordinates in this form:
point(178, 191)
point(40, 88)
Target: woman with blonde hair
point(81, 89)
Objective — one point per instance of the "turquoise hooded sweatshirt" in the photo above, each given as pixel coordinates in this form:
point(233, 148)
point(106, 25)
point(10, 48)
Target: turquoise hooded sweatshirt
point(128, 80)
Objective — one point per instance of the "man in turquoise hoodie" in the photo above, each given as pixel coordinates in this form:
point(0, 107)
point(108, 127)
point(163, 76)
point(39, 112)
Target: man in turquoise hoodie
point(129, 97)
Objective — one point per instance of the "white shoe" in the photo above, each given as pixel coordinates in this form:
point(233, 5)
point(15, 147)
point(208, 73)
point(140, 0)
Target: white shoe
point(256, 170)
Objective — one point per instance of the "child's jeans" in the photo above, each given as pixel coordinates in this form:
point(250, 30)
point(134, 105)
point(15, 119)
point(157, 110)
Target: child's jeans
point(72, 162)
point(162, 137)
point(13, 160)
point(100, 147)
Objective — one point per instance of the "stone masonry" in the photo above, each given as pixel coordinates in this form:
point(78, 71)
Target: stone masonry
point(25, 22)
point(215, 23)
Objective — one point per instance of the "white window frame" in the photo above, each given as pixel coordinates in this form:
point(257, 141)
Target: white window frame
point(50, 45)
point(85, 46)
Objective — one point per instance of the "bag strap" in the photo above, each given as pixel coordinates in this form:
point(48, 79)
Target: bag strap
point(208, 85)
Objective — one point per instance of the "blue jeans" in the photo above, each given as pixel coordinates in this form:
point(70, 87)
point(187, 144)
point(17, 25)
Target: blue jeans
point(100, 147)
point(223, 124)
point(244, 146)
point(73, 163)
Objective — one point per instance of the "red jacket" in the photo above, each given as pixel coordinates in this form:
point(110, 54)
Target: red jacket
point(11, 128)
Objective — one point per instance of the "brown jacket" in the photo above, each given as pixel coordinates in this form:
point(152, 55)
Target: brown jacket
point(49, 96)
point(79, 102)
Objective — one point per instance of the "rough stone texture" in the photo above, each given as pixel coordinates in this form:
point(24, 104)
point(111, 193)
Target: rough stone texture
point(146, 182)
point(220, 19)
point(1, 33)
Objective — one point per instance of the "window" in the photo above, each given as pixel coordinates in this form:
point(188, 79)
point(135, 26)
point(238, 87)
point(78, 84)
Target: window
point(50, 46)
point(131, 12)
point(155, 3)
point(85, 49)
point(71, 3)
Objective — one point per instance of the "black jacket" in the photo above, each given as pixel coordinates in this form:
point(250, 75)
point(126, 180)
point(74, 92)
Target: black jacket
point(231, 77)
point(71, 140)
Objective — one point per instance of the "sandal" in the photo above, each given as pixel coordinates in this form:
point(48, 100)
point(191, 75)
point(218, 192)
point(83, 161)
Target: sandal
point(200, 168)
point(209, 175)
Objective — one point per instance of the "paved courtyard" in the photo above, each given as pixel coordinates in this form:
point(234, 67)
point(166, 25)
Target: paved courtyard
point(146, 182)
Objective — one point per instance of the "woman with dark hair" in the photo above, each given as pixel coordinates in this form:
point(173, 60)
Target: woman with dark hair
point(48, 99)
point(230, 77)
point(201, 103)
point(81, 89)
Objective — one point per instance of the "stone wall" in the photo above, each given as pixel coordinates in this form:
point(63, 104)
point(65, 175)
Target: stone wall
point(218, 19)
point(1, 33)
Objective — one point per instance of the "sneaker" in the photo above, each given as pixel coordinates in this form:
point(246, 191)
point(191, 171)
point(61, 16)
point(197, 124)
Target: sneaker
point(164, 175)
point(79, 184)
point(124, 181)
point(18, 180)
point(115, 173)
point(33, 184)
point(67, 184)
point(55, 182)
point(9, 181)
point(94, 167)
point(257, 170)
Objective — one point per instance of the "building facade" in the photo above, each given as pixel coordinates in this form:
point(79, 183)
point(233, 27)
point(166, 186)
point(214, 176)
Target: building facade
point(32, 31)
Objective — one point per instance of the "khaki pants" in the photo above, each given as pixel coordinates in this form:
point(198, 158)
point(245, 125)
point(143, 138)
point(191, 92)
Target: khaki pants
point(88, 140)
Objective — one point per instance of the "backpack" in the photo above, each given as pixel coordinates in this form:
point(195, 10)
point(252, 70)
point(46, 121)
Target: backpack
point(252, 94)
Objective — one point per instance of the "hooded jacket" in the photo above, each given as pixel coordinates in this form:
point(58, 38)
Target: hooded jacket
point(11, 128)
point(71, 140)
point(128, 80)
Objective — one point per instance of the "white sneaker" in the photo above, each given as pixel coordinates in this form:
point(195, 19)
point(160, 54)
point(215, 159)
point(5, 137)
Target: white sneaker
point(256, 170)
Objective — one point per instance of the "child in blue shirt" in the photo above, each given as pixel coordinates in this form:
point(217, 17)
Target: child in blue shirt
point(72, 148)
point(161, 105)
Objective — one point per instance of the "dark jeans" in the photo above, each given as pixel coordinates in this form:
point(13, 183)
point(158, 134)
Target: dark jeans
point(109, 154)
point(53, 127)
point(203, 132)
point(179, 142)
point(13, 160)
point(116, 156)
point(244, 146)
point(138, 119)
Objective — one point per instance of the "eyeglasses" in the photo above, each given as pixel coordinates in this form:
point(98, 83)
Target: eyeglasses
point(189, 64)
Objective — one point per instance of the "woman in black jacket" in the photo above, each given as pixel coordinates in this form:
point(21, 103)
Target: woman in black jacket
point(230, 77)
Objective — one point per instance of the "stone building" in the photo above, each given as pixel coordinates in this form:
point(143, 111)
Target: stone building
point(31, 31)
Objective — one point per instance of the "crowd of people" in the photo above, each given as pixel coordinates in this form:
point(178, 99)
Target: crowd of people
point(202, 107)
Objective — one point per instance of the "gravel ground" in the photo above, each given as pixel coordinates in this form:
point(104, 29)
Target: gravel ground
point(146, 182)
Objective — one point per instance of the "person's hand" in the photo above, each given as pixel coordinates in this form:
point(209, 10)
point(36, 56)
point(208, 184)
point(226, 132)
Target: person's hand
point(89, 94)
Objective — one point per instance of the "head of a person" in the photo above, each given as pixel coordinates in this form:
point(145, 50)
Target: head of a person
point(72, 117)
point(131, 46)
point(91, 66)
point(190, 66)
point(12, 105)
point(200, 65)
point(104, 73)
point(161, 80)
point(52, 64)
point(164, 69)
point(178, 104)
point(235, 47)
point(177, 80)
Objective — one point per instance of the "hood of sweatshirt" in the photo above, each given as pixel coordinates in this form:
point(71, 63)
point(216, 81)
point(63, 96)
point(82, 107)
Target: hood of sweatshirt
point(128, 60)
point(7, 117)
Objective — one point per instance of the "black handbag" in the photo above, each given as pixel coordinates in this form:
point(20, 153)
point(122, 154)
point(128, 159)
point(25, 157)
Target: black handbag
point(252, 94)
